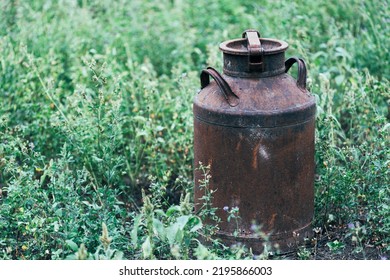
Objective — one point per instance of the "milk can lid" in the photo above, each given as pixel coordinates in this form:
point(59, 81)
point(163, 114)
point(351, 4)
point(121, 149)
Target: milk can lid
point(252, 44)
point(252, 56)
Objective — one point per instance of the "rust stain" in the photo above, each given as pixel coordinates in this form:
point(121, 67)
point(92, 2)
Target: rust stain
point(271, 223)
point(238, 146)
point(255, 156)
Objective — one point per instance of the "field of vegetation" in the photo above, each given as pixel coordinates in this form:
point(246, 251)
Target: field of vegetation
point(96, 124)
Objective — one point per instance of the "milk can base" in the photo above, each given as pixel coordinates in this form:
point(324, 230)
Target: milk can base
point(281, 243)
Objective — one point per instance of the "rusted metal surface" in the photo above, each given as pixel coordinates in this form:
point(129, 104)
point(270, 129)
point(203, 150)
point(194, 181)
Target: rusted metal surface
point(254, 126)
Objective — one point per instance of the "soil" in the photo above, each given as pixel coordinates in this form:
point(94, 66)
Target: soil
point(349, 249)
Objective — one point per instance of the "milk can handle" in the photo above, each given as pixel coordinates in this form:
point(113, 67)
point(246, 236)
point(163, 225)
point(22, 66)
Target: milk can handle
point(227, 92)
point(301, 81)
point(255, 50)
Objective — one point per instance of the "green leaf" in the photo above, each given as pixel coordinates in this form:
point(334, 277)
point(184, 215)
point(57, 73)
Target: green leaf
point(58, 212)
point(72, 245)
point(174, 232)
point(339, 79)
point(195, 223)
point(179, 236)
point(159, 229)
point(134, 231)
point(118, 255)
point(171, 233)
point(341, 52)
point(160, 213)
point(147, 248)
point(172, 210)
point(159, 128)
point(86, 203)
point(182, 221)
point(97, 159)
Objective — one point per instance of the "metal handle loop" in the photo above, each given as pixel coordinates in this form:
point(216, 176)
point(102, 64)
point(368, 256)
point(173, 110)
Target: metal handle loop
point(227, 92)
point(302, 73)
point(254, 44)
point(255, 49)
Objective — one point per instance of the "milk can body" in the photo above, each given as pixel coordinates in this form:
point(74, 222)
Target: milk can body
point(254, 127)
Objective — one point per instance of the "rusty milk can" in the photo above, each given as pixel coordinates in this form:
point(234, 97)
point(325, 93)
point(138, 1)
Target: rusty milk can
point(254, 126)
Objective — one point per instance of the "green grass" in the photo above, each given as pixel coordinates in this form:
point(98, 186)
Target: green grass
point(95, 106)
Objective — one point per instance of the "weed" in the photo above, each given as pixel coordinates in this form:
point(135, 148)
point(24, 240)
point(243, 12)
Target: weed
point(335, 246)
point(103, 251)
